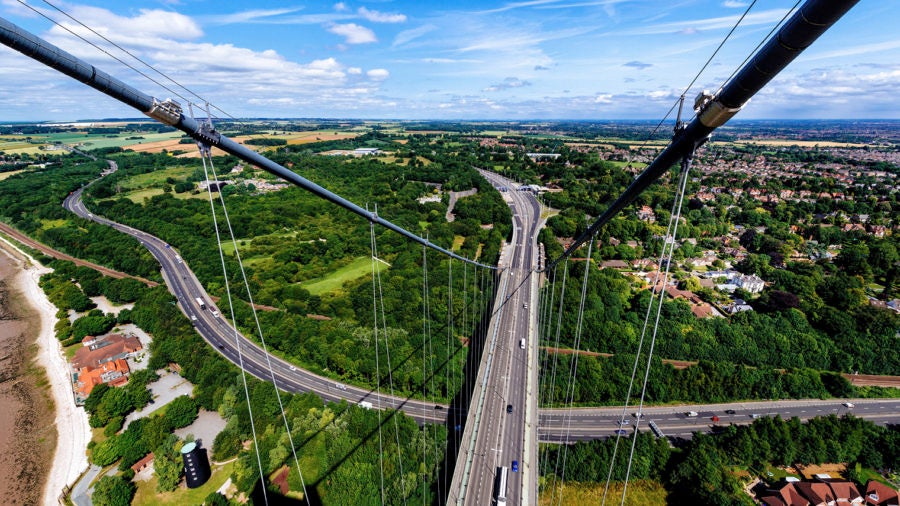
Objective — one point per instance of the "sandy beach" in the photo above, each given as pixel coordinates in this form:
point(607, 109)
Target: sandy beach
point(71, 424)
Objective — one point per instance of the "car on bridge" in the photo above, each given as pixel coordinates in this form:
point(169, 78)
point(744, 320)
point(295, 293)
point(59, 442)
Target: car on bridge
point(515, 466)
point(509, 408)
point(621, 432)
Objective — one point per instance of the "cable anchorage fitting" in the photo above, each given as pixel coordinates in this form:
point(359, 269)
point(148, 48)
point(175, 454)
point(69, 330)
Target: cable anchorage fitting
point(168, 111)
point(208, 133)
point(711, 112)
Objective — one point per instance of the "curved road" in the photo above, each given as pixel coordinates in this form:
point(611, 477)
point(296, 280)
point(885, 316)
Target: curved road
point(237, 348)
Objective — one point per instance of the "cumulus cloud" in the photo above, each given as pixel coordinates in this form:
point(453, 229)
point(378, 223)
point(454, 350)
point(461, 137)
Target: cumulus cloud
point(353, 33)
point(381, 17)
point(378, 74)
point(341, 7)
point(508, 83)
point(146, 29)
point(354, 71)
point(637, 65)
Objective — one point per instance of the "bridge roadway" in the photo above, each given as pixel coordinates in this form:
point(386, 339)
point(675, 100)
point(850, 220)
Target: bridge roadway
point(503, 415)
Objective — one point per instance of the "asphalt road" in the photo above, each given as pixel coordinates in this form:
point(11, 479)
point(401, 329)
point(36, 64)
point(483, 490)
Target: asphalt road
point(499, 424)
point(559, 425)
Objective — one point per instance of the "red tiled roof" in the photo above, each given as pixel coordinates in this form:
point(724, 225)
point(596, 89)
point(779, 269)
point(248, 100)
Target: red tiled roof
point(141, 464)
point(104, 349)
point(879, 494)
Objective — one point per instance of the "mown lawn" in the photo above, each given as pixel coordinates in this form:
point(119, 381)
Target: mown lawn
point(147, 495)
point(358, 268)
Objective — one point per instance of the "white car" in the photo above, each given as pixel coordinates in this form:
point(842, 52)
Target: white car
point(848, 404)
point(215, 314)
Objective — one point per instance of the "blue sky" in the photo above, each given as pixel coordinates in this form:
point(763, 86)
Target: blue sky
point(465, 59)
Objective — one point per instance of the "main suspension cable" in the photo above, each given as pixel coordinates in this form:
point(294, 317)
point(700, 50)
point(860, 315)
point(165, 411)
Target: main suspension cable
point(237, 338)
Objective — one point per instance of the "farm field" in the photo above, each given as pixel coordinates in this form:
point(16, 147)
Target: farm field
point(18, 144)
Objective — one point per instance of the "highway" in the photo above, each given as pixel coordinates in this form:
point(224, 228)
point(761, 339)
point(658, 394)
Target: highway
point(215, 330)
point(495, 432)
point(674, 421)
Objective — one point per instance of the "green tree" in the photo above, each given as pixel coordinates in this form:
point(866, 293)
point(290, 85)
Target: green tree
point(181, 412)
point(168, 465)
point(113, 491)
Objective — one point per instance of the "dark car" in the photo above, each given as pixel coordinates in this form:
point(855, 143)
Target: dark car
point(515, 466)
point(729, 411)
point(509, 408)
point(621, 432)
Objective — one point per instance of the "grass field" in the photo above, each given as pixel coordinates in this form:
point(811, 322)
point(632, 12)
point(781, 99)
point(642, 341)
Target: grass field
point(228, 246)
point(147, 495)
point(48, 224)
point(358, 268)
point(157, 177)
point(4, 175)
point(138, 196)
point(636, 165)
point(640, 493)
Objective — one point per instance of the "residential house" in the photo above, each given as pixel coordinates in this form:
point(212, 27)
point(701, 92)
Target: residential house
point(113, 372)
point(645, 213)
point(879, 494)
point(825, 492)
point(750, 283)
point(102, 360)
point(96, 351)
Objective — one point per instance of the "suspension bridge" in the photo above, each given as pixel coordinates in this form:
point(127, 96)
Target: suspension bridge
point(495, 422)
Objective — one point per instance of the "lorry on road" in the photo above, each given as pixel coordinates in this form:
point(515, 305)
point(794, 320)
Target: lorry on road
point(500, 486)
point(200, 303)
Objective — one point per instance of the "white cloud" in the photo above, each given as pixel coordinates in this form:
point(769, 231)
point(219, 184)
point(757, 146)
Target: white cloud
point(855, 50)
point(341, 7)
point(259, 15)
point(768, 17)
point(407, 36)
point(508, 83)
point(381, 17)
point(734, 4)
point(354, 71)
point(378, 74)
point(353, 33)
point(146, 29)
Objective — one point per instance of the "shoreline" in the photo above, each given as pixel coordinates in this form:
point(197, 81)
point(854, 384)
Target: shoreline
point(73, 432)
